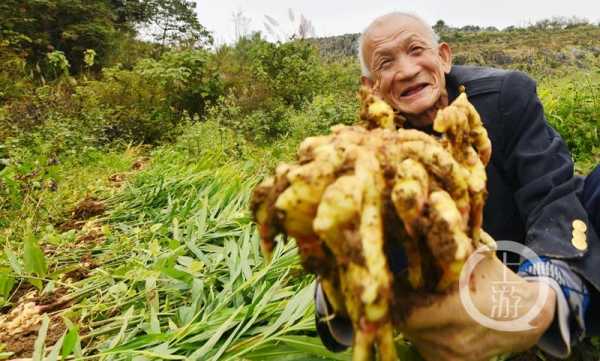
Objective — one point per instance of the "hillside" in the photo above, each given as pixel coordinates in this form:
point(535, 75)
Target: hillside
point(528, 49)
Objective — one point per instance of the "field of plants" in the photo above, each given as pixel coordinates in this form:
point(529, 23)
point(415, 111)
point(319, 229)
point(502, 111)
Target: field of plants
point(126, 168)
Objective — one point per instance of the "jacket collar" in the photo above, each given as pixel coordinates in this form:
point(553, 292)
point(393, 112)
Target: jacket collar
point(452, 85)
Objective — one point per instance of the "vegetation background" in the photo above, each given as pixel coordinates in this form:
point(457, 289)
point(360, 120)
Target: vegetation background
point(129, 145)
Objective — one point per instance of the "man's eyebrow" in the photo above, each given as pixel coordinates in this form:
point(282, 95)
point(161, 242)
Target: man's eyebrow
point(414, 37)
point(388, 49)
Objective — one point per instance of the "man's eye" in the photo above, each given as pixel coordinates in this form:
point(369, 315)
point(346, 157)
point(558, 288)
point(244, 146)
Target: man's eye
point(416, 49)
point(384, 63)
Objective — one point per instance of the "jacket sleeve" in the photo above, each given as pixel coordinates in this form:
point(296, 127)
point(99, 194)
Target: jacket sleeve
point(572, 301)
point(540, 168)
point(334, 330)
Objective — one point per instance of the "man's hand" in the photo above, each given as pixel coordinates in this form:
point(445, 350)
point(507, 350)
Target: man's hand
point(443, 330)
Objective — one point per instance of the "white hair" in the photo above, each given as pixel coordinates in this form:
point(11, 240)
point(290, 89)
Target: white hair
point(365, 71)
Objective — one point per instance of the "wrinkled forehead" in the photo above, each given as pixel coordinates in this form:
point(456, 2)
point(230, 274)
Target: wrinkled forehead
point(395, 27)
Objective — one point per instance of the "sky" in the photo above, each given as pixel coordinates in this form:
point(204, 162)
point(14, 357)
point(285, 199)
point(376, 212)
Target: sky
point(352, 16)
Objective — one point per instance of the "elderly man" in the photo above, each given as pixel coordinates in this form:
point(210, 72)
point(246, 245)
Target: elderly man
point(534, 199)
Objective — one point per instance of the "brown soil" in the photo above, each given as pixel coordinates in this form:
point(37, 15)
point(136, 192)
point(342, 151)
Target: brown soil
point(22, 344)
point(77, 274)
point(71, 224)
point(23, 289)
point(49, 302)
point(117, 179)
point(21, 341)
point(93, 236)
point(140, 163)
point(87, 208)
point(86, 264)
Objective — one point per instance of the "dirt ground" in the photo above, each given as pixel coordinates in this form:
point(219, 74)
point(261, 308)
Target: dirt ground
point(19, 326)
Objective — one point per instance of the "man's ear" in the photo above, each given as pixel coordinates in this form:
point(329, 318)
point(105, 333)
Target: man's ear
point(445, 54)
point(366, 81)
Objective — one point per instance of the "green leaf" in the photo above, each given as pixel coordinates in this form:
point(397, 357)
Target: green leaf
point(13, 261)
point(139, 342)
point(71, 340)
point(152, 300)
point(294, 309)
point(33, 258)
point(6, 282)
point(407, 352)
point(277, 352)
point(39, 346)
point(5, 355)
point(119, 337)
point(314, 347)
point(202, 351)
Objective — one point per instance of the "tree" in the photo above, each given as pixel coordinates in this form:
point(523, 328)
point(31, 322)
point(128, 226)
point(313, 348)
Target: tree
point(174, 22)
point(471, 28)
point(440, 26)
point(38, 27)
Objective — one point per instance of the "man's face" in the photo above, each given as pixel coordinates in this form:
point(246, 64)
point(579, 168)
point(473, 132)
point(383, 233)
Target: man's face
point(407, 69)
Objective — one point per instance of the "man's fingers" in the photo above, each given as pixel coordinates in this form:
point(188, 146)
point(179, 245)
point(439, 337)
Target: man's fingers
point(455, 343)
point(434, 352)
point(448, 309)
point(439, 311)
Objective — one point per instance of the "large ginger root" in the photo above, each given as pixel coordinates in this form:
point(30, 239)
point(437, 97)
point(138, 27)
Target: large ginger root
point(409, 196)
point(375, 113)
point(463, 130)
point(335, 200)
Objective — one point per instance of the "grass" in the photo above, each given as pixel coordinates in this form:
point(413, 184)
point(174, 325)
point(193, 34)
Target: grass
point(572, 106)
point(178, 273)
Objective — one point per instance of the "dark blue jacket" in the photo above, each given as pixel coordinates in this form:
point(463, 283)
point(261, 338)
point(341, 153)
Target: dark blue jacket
point(534, 196)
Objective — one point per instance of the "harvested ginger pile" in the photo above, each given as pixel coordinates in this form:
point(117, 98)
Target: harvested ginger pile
point(361, 190)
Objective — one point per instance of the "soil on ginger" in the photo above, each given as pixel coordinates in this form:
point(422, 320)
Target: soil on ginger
point(23, 344)
point(20, 325)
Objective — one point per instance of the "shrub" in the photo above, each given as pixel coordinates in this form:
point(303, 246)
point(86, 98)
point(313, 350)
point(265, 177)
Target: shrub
point(263, 125)
point(35, 106)
point(147, 103)
point(283, 90)
point(189, 78)
point(15, 79)
point(322, 113)
point(257, 71)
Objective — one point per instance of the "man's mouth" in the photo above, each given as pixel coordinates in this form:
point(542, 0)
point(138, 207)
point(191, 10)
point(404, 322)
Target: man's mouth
point(412, 90)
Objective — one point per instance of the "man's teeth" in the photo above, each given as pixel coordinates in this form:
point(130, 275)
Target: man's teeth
point(413, 90)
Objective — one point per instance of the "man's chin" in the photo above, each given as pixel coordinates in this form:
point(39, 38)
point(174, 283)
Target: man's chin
point(416, 109)
point(420, 115)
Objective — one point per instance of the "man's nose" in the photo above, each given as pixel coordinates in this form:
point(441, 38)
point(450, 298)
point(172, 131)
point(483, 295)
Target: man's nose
point(406, 68)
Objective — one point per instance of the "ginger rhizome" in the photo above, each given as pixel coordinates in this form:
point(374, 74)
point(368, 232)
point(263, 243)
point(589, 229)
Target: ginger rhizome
point(362, 190)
